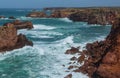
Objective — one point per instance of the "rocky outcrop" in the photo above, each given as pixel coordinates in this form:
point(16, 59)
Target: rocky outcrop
point(62, 13)
point(102, 16)
point(36, 15)
point(104, 56)
point(20, 25)
point(9, 39)
point(102, 59)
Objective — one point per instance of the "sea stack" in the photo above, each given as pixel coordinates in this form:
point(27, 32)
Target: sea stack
point(9, 39)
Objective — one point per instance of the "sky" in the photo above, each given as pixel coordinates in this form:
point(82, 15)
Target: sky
point(56, 3)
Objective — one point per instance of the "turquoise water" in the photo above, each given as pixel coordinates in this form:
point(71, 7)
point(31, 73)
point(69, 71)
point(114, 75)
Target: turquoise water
point(51, 38)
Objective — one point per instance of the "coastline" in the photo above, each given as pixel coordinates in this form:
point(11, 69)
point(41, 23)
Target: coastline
point(89, 46)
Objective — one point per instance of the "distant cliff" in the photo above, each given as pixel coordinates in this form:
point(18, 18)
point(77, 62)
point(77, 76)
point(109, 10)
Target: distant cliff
point(97, 15)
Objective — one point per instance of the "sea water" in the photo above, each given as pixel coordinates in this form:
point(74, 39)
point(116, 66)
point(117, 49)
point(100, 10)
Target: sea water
point(51, 38)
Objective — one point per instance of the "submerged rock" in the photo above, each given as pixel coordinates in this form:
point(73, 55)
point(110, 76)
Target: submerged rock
point(20, 25)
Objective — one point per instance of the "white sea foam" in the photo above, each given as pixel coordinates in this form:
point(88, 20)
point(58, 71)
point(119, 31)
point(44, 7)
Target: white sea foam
point(24, 18)
point(43, 27)
point(65, 19)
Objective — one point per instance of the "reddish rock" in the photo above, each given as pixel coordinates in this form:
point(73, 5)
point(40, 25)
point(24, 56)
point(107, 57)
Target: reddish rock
point(81, 58)
point(73, 50)
point(110, 58)
point(36, 15)
point(68, 76)
point(20, 25)
point(104, 56)
point(10, 40)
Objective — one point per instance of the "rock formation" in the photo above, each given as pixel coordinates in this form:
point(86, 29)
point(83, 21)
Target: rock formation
point(20, 25)
point(102, 16)
point(9, 39)
point(103, 58)
point(36, 15)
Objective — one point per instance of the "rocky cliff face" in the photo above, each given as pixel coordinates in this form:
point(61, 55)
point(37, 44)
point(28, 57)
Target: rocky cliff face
point(9, 39)
point(101, 59)
point(95, 16)
point(104, 56)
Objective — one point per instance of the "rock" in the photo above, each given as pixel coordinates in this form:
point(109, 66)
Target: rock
point(102, 16)
point(68, 76)
point(81, 58)
point(2, 16)
point(20, 25)
point(73, 50)
point(79, 16)
point(73, 58)
point(104, 56)
point(70, 67)
point(10, 40)
point(12, 17)
point(110, 58)
point(36, 15)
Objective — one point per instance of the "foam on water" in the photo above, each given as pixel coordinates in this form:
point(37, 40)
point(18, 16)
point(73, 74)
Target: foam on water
point(43, 27)
point(65, 19)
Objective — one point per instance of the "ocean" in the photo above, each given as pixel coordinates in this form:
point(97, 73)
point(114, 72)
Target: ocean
point(51, 38)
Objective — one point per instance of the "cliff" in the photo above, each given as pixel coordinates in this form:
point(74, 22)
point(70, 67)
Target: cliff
point(101, 59)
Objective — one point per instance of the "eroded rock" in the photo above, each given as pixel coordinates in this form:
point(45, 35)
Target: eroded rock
point(20, 25)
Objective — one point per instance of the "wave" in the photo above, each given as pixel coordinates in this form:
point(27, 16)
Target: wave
point(65, 19)
point(20, 10)
point(43, 27)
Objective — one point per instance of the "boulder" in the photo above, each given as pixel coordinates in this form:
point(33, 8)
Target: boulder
point(73, 50)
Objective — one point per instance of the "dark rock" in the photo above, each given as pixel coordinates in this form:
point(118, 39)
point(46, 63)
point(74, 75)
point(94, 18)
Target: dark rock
point(81, 58)
point(73, 58)
point(70, 67)
point(73, 50)
point(12, 17)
